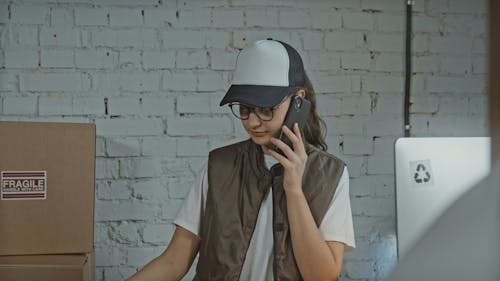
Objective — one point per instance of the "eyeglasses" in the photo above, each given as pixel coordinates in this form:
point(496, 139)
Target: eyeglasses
point(242, 111)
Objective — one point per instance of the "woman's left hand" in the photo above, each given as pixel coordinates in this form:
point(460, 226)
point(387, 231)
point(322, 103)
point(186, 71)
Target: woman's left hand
point(295, 161)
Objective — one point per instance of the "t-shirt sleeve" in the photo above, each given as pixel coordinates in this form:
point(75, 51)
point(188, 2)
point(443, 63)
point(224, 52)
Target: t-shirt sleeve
point(191, 211)
point(337, 223)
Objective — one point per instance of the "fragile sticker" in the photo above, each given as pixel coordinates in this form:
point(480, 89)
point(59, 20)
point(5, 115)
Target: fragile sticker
point(23, 185)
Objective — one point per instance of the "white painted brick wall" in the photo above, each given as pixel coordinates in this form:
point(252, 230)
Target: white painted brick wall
point(150, 75)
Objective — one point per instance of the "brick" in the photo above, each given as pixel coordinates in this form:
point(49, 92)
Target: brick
point(129, 127)
point(138, 38)
point(356, 61)
point(158, 233)
point(390, 23)
point(227, 18)
point(123, 147)
point(192, 147)
point(96, 59)
point(100, 145)
point(170, 208)
point(193, 104)
point(108, 256)
point(88, 106)
point(19, 105)
point(106, 168)
point(477, 105)
point(357, 145)
point(91, 16)
point(334, 83)
point(140, 167)
point(386, 84)
point(21, 59)
point(386, 43)
point(341, 125)
point(393, 63)
point(195, 18)
point(294, 19)
point(158, 60)
point(381, 160)
point(150, 189)
point(242, 38)
point(387, 104)
point(425, 63)
point(428, 24)
point(360, 269)
point(29, 14)
point(55, 105)
point(436, 6)
point(211, 81)
point(455, 85)
point(359, 105)
point(126, 232)
point(123, 210)
point(125, 17)
point(424, 104)
point(261, 18)
point(382, 5)
point(464, 6)
point(164, 146)
point(129, 60)
point(421, 43)
point(222, 60)
point(357, 21)
point(25, 36)
point(373, 207)
point(159, 17)
point(457, 126)
point(453, 105)
point(479, 46)
point(60, 37)
point(139, 82)
point(196, 126)
point(54, 82)
point(114, 190)
point(140, 256)
point(321, 60)
point(326, 20)
point(57, 58)
point(191, 59)
point(183, 39)
point(61, 17)
point(479, 65)
point(384, 126)
point(312, 40)
point(448, 45)
point(179, 81)
point(217, 39)
point(343, 41)
point(157, 106)
point(124, 106)
point(455, 65)
point(179, 187)
point(4, 12)
point(355, 164)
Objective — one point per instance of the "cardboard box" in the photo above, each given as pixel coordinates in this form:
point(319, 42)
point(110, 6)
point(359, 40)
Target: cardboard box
point(47, 268)
point(47, 188)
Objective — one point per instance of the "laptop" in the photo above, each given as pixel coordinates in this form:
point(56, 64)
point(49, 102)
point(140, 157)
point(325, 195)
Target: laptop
point(431, 173)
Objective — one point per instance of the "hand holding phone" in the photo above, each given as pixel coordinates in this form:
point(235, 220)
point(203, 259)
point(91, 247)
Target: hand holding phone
point(298, 112)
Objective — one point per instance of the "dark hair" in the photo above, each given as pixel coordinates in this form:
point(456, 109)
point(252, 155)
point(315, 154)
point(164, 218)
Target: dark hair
point(315, 128)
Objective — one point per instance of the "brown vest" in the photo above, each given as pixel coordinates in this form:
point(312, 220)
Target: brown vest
point(237, 183)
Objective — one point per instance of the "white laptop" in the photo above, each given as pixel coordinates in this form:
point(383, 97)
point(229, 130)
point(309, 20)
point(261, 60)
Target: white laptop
point(431, 173)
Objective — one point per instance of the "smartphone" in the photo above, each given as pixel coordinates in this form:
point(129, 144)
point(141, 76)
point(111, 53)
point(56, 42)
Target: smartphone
point(298, 112)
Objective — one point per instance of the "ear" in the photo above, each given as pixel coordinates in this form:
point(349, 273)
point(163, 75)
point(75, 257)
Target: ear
point(301, 93)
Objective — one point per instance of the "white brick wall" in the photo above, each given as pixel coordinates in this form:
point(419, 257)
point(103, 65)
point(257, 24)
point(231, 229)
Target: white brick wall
point(150, 75)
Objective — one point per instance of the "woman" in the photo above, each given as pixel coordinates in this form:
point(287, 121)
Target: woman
point(257, 214)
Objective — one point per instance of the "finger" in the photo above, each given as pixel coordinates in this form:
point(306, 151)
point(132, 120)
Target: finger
point(298, 145)
point(282, 159)
point(287, 150)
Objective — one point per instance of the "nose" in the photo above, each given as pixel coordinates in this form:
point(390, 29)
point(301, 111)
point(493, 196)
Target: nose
point(254, 120)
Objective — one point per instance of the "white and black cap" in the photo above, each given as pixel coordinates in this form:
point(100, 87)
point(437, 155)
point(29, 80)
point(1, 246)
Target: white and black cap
point(266, 72)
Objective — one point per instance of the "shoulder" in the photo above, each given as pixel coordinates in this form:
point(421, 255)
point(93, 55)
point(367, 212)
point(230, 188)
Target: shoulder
point(317, 154)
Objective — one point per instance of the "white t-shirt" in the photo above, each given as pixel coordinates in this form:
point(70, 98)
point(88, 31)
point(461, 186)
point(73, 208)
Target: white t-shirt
point(258, 265)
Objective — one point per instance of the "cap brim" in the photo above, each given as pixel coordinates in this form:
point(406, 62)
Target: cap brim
point(255, 95)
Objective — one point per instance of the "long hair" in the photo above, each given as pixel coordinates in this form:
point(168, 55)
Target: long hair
point(315, 128)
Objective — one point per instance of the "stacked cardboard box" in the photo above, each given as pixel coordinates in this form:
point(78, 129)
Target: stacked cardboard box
point(47, 201)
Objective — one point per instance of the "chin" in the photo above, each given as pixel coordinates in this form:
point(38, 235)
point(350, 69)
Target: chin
point(261, 140)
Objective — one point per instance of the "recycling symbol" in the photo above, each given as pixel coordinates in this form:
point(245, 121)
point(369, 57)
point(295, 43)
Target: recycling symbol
point(422, 175)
